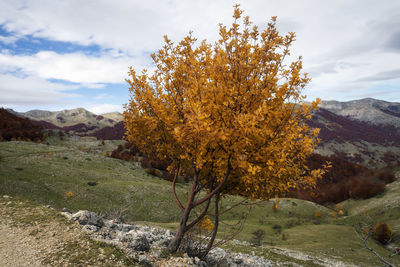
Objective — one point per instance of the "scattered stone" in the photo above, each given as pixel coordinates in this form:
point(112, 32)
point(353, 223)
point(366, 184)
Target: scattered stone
point(144, 244)
point(90, 228)
point(145, 261)
point(87, 217)
point(67, 215)
point(66, 210)
point(140, 244)
point(6, 196)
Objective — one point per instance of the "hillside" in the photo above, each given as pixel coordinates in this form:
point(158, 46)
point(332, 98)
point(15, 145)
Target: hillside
point(365, 131)
point(44, 174)
point(357, 141)
point(13, 127)
point(369, 110)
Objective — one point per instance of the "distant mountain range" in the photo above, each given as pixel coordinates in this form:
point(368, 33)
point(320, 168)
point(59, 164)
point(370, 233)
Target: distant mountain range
point(365, 131)
point(78, 121)
point(369, 110)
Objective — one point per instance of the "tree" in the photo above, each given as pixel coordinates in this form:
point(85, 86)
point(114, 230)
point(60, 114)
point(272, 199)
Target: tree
point(229, 115)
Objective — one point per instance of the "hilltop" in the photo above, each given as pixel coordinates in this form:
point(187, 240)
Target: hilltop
point(369, 110)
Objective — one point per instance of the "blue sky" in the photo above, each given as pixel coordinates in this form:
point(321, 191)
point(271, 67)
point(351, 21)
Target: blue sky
point(64, 54)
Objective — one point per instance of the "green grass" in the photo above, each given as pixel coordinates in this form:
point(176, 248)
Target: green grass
point(47, 176)
point(45, 173)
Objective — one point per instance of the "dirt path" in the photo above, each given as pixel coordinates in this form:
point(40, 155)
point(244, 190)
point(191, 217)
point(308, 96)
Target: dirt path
point(32, 235)
point(16, 248)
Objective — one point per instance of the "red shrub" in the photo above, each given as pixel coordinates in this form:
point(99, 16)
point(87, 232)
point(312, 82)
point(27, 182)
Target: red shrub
point(343, 181)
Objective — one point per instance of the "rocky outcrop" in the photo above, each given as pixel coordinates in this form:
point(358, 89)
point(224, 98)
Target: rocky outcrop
point(369, 110)
point(147, 245)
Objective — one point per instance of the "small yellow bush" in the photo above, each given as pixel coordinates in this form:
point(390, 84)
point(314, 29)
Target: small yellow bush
point(338, 207)
point(333, 215)
point(275, 206)
point(318, 214)
point(69, 194)
point(205, 223)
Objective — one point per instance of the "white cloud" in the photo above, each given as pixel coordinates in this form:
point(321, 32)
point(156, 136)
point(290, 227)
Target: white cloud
point(8, 39)
point(73, 67)
point(32, 91)
point(102, 96)
point(105, 108)
point(342, 42)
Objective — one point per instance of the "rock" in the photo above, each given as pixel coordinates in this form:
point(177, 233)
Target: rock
point(104, 235)
point(91, 228)
point(6, 196)
point(126, 227)
point(201, 264)
point(67, 215)
point(87, 217)
point(145, 260)
point(126, 236)
point(140, 244)
point(237, 260)
point(66, 210)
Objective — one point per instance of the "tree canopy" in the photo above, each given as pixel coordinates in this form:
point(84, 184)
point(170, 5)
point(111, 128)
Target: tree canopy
point(230, 114)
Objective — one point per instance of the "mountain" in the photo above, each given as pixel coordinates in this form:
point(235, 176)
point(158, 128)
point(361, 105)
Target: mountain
point(78, 121)
point(365, 131)
point(369, 110)
point(115, 116)
point(69, 117)
point(366, 143)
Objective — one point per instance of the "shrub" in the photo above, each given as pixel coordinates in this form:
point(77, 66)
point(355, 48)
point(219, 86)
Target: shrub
point(276, 204)
point(257, 238)
point(69, 194)
point(291, 223)
point(338, 208)
point(318, 214)
point(205, 224)
point(333, 215)
point(382, 233)
point(386, 175)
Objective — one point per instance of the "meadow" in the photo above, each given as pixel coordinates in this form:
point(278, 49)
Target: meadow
point(78, 174)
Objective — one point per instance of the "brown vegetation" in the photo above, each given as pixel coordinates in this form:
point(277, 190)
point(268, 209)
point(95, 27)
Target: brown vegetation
point(344, 180)
point(13, 127)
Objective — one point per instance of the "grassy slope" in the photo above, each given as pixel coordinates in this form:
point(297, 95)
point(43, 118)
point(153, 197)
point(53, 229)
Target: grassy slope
point(44, 174)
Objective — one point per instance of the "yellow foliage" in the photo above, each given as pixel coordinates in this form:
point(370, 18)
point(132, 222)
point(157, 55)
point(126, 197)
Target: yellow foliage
point(318, 214)
point(333, 215)
point(205, 223)
point(69, 194)
point(338, 207)
point(275, 207)
point(230, 109)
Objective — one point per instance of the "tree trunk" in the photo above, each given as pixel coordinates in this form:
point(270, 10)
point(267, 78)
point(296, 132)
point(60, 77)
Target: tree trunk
point(215, 230)
point(176, 242)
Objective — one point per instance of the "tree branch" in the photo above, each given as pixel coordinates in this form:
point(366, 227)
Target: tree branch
point(173, 188)
point(201, 216)
point(218, 188)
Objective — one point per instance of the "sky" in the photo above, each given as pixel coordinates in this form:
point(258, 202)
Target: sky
point(58, 55)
